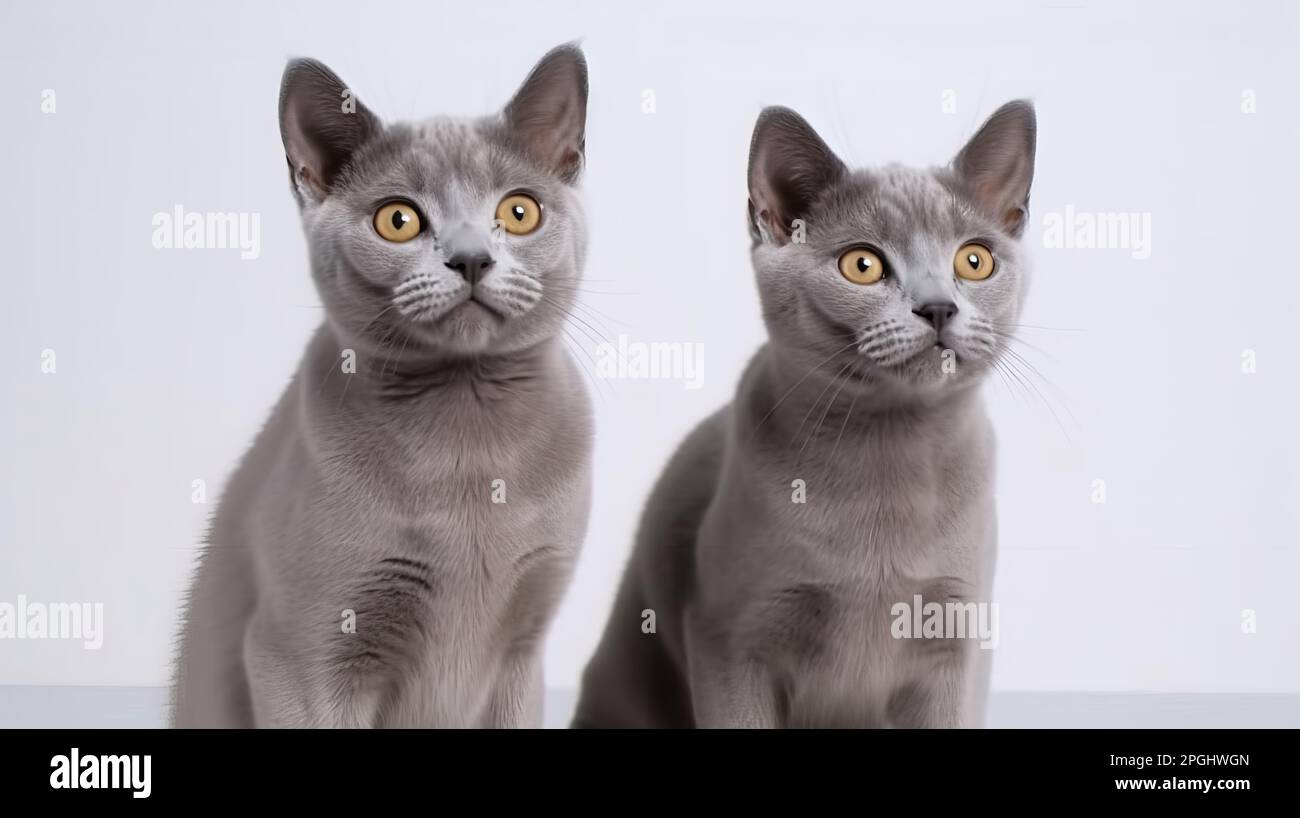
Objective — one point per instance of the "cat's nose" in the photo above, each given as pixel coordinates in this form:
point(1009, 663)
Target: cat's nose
point(471, 266)
point(938, 313)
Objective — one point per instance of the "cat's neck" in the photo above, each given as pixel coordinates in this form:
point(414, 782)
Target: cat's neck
point(830, 388)
point(397, 373)
point(801, 423)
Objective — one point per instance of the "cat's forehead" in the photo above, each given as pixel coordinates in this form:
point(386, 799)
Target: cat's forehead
point(449, 142)
point(896, 201)
point(442, 157)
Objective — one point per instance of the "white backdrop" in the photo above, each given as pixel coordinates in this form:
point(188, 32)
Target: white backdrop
point(168, 360)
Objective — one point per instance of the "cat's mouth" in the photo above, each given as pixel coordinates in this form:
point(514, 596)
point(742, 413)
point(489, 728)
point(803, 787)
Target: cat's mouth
point(931, 360)
point(469, 326)
point(468, 323)
point(470, 308)
point(477, 306)
point(470, 320)
point(924, 355)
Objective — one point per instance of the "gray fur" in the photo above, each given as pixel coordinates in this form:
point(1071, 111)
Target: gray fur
point(374, 492)
point(774, 613)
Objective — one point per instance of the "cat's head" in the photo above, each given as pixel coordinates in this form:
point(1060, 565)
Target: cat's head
point(449, 237)
point(916, 277)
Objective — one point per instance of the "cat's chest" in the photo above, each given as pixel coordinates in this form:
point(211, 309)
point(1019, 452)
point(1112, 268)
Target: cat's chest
point(873, 518)
point(885, 502)
point(845, 649)
point(424, 593)
point(446, 461)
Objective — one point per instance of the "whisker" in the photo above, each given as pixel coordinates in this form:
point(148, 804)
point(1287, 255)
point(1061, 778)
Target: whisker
point(325, 380)
point(1014, 388)
point(595, 382)
point(596, 314)
point(398, 363)
point(593, 334)
point(595, 338)
point(372, 321)
point(1002, 376)
point(816, 401)
point(598, 333)
point(1013, 367)
point(844, 425)
point(1060, 395)
point(1046, 329)
point(843, 381)
point(578, 288)
point(1003, 335)
point(392, 336)
point(790, 391)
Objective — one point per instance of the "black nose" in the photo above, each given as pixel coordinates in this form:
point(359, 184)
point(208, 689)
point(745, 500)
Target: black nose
point(938, 313)
point(471, 266)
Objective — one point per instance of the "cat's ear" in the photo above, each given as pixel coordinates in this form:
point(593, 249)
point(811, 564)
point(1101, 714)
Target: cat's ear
point(547, 118)
point(322, 123)
point(789, 167)
point(997, 165)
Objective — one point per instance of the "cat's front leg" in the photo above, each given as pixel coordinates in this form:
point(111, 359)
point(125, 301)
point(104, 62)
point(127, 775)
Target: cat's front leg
point(518, 694)
point(727, 692)
point(941, 698)
point(541, 575)
point(289, 691)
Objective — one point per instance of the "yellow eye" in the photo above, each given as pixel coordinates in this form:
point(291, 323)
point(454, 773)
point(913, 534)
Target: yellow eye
point(519, 214)
point(397, 221)
point(862, 266)
point(973, 262)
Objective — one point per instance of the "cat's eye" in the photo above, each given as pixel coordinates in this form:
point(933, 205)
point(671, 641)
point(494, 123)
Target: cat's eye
point(519, 214)
point(397, 222)
point(973, 262)
point(862, 266)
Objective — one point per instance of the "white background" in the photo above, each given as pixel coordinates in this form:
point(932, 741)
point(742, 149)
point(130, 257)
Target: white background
point(168, 360)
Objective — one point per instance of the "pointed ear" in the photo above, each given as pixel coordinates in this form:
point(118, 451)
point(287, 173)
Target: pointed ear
point(321, 123)
point(547, 118)
point(789, 168)
point(997, 165)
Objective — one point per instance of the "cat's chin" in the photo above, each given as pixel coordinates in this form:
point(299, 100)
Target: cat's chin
point(467, 327)
point(936, 368)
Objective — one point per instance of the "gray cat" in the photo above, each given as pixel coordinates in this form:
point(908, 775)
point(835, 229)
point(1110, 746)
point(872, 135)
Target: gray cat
point(852, 473)
point(392, 549)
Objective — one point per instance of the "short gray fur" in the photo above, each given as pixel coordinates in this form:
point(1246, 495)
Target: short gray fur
point(376, 492)
point(770, 612)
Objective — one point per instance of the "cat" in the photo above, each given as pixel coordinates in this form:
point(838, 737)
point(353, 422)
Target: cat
point(853, 471)
point(392, 549)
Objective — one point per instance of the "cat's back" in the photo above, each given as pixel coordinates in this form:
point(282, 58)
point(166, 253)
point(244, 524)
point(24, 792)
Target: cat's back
point(678, 503)
point(637, 678)
point(209, 688)
point(686, 490)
